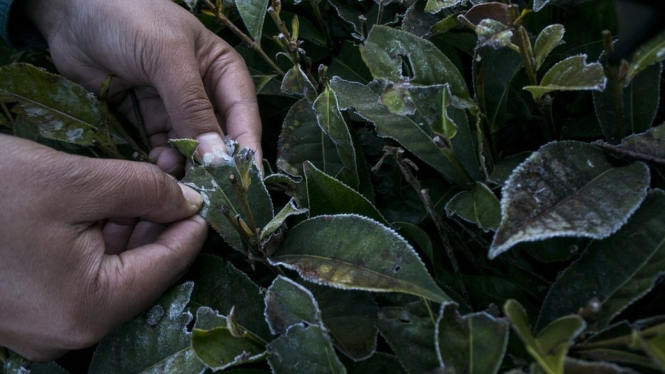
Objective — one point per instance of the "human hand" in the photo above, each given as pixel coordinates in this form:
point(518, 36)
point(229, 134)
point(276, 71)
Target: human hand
point(85, 244)
point(181, 72)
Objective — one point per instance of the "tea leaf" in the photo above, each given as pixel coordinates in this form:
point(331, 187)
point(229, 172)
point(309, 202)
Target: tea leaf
point(263, 84)
point(383, 52)
point(417, 21)
point(296, 83)
point(571, 74)
point(287, 304)
point(606, 272)
point(400, 128)
point(325, 250)
point(641, 100)
point(434, 6)
point(650, 53)
point(214, 185)
point(444, 25)
point(568, 189)
point(575, 366)
point(253, 13)
point(303, 140)
point(379, 363)
point(61, 110)
point(349, 316)
point(417, 237)
point(655, 348)
point(16, 364)
point(471, 344)
point(154, 342)
point(304, 350)
point(409, 331)
point(218, 348)
point(550, 346)
point(290, 209)
point(327, 195)
point(539, 4)
point(223, 288)
point(650, 144)
point(479, 206)
point(493, 10)
point(493, 34)
point(617, 355)
point(185, 146)
point(548, 39)
point(333, 125)
point(351, 66)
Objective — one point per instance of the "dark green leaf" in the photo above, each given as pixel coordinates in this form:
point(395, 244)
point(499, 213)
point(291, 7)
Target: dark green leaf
point(650, 53)
point(417, 237)
point(650, 145)
point(444, 25)
point(16, 364)
point(379, 363)
point(266, 84)
point(618, 355)
point(550, 346)
point(493, 34)
point(492, 10)
point(214, 185)
point(504, 168)
point(155, 342)
point(574, 366)
point(474, 343)
point(383, 52)
point(304, 350)
point(327, 195)
point(606, 272)
point(404, 130)
point(568, 189)
point(333, 125)
point(290, 209)
point(479, 206)
point(296, 83)
point(326, 250)
point(410, 332)
point(351, 67)
point(417, 21)
point(554, 249)
point(288, 303)
point(302, 140)
point(253, 13)
point(60, 109)
point(548, 39)
point(571, 74)
point(349, 316)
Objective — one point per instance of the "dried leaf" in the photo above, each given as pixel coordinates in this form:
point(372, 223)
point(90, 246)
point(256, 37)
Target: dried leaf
point(325, 250)
point(288, 304)
point(548, 39)
point(568, 189)
point(571, 74)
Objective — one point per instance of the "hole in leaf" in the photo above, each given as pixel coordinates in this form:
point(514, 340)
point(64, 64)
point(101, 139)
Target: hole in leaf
point(190, 325)
point(407, 67)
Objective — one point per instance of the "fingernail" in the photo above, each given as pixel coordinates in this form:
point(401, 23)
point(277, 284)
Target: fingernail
point(211, 150)
point(153, 156)
point(191, 195)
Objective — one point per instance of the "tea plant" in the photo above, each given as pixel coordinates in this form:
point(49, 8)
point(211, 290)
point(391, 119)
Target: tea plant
point(458, 187)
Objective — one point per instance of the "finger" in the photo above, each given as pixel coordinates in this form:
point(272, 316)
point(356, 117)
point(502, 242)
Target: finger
point(145, 232)
point(131, 281)
point(117, 234)
point(169, 160)
point(114, 188)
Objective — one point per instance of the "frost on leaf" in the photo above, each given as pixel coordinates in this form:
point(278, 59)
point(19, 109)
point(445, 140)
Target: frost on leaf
point(548, 39)
point(296, 82)
point(434, 6)
point(145, 345)
point(471, 344)
point(571, 74)
point(326, 250)
point(649, 145)
point(650, 53)
point(304, 349)
point(288, 303)
point(568, 189)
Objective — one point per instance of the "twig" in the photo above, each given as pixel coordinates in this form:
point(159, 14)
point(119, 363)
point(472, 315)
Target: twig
point(255, 46)
point(244, 204)
point(628, 152)
point(526, 52)
point(616, 86)
point(7, 114)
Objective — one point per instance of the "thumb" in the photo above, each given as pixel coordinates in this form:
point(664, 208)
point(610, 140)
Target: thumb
point(132, 280)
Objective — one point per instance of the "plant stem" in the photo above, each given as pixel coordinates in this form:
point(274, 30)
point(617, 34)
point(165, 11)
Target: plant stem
point(244, 204)
point(628, 340)
point(255, 46)
point(7, 114)
point(616, 87)
point(138, 116)
point(526, 52)
point(379, 12)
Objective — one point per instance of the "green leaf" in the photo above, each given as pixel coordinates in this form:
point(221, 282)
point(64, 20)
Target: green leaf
point(618, 355)
point(60, 109)
point(325, 250)
point(253, 13)
point(214, 185)
point(304, 350)
point(554, 249)
point(290, 209)
point(219, 348)
point(434, 6)
point(471, 344)
point(296, 83)
point(417, 21)
point(185, 146)
point(655, 348)
point(379, 363)
point(154, 342)
point(571, 74)
point(400, 128)
point(383, 52)
point(223, 288)
point(539, 4)
point(327, 195)
point(650, 53)
point(640, 104)
point(287, 304)
point(550, 346)
point(548, 39)
point(333, 125)
point(16, 364)
point(409, 331)
point(349, 64)
point(649, 145)
point(417, 237)
point(479, 206)
point(493, 34)
point(504, 168)
point(349, 316)
point(303, 140)
point(616, 271)
point(444, 25)
point(567, 189)
point(264, 84)
point(574, 366)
